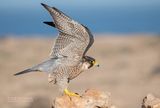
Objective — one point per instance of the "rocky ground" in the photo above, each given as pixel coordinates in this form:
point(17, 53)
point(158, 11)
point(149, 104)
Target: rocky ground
point(129, 70)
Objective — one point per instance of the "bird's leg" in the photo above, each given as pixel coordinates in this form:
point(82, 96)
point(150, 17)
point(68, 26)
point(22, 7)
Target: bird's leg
point(69, 93)
point(62, 82)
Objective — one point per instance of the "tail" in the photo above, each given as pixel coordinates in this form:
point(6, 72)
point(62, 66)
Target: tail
point(25, 71)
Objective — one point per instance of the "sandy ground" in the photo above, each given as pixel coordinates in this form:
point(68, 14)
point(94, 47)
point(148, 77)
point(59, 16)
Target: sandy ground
point(129, 69)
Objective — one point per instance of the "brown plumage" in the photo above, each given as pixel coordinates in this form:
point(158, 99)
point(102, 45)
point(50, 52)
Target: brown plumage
point(68, 57)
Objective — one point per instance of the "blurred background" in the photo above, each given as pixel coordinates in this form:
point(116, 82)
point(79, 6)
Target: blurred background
point(20, 17)
point(127, 46)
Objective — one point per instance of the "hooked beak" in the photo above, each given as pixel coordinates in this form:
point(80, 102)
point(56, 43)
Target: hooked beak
point(96, 64)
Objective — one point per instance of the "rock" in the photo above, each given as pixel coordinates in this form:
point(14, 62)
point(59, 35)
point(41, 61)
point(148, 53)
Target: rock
point(90, 99)
point(150, 101)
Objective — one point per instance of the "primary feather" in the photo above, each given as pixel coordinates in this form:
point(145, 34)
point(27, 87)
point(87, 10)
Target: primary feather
point(74, 39)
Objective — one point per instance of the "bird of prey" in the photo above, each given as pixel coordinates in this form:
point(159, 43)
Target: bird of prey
point(68, 57)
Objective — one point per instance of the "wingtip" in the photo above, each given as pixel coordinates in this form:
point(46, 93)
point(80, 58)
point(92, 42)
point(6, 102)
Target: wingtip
point(47, 7)
point(45, 22)
point(52, 24)
point(43, 4)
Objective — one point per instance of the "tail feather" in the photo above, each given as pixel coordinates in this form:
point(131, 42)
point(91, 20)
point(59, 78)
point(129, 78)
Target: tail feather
point(25, 71)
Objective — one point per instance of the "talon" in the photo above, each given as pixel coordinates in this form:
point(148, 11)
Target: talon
point(66, 92)
point(76, 93)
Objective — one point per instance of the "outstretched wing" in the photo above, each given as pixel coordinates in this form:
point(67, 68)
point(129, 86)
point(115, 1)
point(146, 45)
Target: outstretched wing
point(74, 39)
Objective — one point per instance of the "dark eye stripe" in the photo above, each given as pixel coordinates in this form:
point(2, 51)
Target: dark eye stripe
point(89, 58)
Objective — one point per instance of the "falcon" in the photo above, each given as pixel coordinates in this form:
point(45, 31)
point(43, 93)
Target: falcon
point(68, 57)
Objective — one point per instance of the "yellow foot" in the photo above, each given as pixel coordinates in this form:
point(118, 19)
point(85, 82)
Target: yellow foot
point(66, 92)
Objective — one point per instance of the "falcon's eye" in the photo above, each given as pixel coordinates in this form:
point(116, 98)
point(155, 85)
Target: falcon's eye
point(93, 62)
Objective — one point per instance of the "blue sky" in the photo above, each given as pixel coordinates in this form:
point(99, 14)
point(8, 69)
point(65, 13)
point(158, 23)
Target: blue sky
point(28, 4)
point(107, 16)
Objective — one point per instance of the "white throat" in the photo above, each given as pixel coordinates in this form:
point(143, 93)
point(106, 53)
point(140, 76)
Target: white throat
point(85, 66)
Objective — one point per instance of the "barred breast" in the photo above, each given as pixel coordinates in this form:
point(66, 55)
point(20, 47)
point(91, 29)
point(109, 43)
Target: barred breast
point(69, 72)
point(74, 72)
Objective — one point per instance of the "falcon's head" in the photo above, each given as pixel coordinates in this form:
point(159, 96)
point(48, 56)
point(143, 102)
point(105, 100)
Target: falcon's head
point(89, 62)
